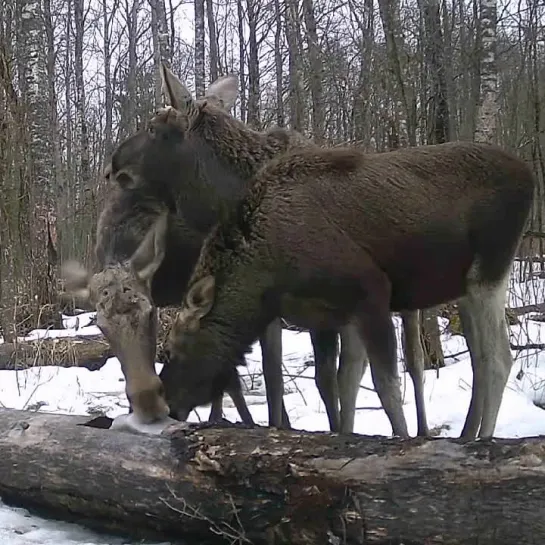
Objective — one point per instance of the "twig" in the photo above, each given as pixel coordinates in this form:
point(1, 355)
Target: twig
point(223, 529)
point(529, 346)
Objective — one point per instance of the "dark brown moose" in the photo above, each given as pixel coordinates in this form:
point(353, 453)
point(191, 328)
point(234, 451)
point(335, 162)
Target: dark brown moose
point(336, 236)
point(172, 185)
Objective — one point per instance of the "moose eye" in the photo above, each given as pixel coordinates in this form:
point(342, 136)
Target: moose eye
point(123, 179)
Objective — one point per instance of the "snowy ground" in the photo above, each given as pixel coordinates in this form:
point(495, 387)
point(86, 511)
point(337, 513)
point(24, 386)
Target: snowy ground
point(79, 391)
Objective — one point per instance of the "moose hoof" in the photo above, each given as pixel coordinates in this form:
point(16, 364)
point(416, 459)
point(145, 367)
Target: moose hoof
point(130, 423)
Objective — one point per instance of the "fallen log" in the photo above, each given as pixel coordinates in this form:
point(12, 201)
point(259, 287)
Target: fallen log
point(263, 486)
point(60, 352)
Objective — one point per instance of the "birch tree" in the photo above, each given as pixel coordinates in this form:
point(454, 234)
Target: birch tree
point(488, 107)
point(199, 47)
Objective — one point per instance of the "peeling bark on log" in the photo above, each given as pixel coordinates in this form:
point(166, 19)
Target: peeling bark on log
point(60, 352)
point(263, 486)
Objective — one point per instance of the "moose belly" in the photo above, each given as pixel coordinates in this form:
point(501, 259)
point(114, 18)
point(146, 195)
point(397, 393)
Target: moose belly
point(313, 312)
point(429, 287)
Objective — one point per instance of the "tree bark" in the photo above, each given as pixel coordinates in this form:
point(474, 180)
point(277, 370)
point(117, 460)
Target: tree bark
point(296, 91)
point(91, 354)
point(253, 117)
point(161, 47)
point(199, 48)
point(241, 60)
point(213, 40)
point(316, 73)
point(83, 174)
point(278, 65)
point(486, 129)
point(229, 485)
point(107, 15)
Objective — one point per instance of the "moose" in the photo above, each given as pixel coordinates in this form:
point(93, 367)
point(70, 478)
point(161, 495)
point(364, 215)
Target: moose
point(335, 236)
point(169, 193)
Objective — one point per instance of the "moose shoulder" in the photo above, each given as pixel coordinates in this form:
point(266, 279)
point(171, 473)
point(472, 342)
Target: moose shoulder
point(355, 236)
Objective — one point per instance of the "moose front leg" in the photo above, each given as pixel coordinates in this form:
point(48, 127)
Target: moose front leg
point(352, 365)
point(216, 410)
point(271, 356)
point(378, 334)
point(234, 390)
point(324, 343)
point(414, 359)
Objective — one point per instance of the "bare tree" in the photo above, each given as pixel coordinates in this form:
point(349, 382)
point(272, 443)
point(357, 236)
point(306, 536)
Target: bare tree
point(38, 188)
point(293, 37)
point(83, 173)
point(488, 107)
point(199, 47)
point(161, 47)
point(278, 65)
point(107, 16)
point(315, 63)
point(438, 122)
point(213, 39)
point(242, 61)
point(253, 65)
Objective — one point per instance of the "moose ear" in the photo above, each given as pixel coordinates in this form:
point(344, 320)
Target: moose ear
point(150, 254)
point(225, 90)
point(175, 91)
point(200, 297)
point(76, 281)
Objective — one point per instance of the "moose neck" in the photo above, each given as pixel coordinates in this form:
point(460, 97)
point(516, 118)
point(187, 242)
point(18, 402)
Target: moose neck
point(243, 149)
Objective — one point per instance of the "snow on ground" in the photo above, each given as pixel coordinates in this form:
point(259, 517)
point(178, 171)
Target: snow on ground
point(447, 393)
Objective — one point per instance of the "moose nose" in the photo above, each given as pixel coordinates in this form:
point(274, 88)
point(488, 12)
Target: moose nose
point(148, 403)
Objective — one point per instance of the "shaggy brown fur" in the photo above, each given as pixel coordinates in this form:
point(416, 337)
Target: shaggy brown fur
point(355, 236)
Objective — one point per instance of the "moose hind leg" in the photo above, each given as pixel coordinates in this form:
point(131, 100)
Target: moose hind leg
point(352, 365)
point(414, 358)
point(483, 311)
point(475, 411)
point(271, 356)
point(324, 343)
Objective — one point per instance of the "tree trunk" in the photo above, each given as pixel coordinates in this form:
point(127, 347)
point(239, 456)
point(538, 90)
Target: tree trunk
point(488, 107)
point(264, 487)
point(278, 65)
point(241, 60)
point(438, 132)
point(199, 48)
point(161, 49)
point(253, 66)
point(108, 90)
point(128, 124)
point(316, 73)
point(39, 190)
point(91, 354)
point(296, 93)
point(389, 13)
point(83, 174)
point(213, 39)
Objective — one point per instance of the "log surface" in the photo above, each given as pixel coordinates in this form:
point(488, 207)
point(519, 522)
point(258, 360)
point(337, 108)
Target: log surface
point(61, 352)
point(270, 487)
